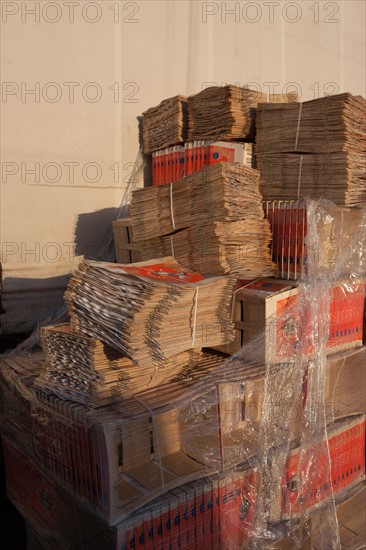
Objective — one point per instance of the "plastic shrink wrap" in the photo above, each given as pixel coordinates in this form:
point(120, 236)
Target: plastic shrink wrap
point(262, 449)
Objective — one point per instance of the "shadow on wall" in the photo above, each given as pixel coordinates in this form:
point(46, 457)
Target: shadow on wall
point(140, 120)
point(147, 159)
point(93, 232)
point(29, 301)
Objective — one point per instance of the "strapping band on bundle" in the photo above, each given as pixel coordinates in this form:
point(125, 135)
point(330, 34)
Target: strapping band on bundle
point(195, 316)
point(298, 127)
point(171, 204)
point(299, 178)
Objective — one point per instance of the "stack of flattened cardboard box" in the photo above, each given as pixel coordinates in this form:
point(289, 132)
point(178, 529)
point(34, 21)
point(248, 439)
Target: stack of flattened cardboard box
point(149, 311)
point(128, 434)
point(313, 149)
point(215, 125)
point(212, 221)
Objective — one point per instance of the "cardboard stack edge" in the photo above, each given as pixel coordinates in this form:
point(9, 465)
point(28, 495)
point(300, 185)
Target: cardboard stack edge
point(350, 513)
point(215, 248)
point(190, 522)
point(85, 370)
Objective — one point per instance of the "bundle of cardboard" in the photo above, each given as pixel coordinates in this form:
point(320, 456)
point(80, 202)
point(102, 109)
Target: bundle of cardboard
point(314, 149)
point(165, 124)
point(222, 192)
point(329, 124)
point(85, 370)
point(226, 112)
point(339, 176)
point(351, 518)
point(217, 248)
point(211, 221)
point(151, 310)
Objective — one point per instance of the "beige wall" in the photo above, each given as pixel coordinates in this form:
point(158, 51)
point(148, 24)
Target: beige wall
point(137, 53)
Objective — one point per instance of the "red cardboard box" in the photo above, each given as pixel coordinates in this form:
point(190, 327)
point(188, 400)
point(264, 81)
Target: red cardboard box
point(174, 163)
point(290, 252)
point(307, 484)
point(271, 307)
point(197, 516)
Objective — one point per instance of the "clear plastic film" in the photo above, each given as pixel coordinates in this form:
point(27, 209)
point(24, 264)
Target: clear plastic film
point(257, 450)
point(311, 350)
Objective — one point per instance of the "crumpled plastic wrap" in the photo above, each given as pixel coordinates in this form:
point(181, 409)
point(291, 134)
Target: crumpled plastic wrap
point(250, 453)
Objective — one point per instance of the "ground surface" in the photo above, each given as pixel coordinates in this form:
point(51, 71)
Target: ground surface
point(12, 526)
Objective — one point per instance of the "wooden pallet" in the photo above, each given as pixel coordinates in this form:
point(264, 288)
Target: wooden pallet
point(126, 251)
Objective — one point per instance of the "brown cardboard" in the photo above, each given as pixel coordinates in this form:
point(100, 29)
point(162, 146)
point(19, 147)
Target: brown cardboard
point(351, 516)
point(345, 384)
